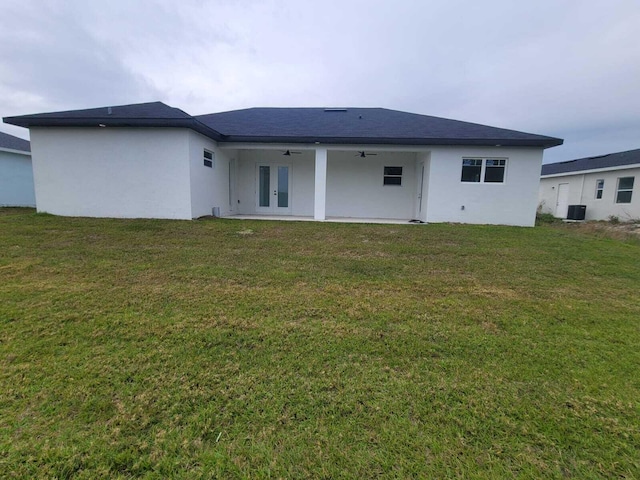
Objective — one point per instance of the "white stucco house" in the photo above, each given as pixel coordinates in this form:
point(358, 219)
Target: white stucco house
point(604, 185)
point(155, 161)
point(16, 174)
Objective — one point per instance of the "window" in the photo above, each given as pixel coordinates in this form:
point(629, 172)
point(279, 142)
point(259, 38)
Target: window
point(208, 158)
point(483, 170)
point(392, 176)
point(599, 188)
point(494, 171)
point(471, 169)
point(625, 189)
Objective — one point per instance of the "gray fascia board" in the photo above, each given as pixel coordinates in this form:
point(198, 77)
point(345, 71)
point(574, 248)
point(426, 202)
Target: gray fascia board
point(115, 123)
point(543, 142)
point(198, 126)
point(18, 152)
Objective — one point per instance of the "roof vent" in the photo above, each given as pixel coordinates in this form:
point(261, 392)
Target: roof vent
point(109, 111)
point(335, 109)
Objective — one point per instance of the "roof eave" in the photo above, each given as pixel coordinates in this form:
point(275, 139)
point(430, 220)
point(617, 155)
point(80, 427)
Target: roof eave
point(191, 123)
point(541, 143)
point(13, 150)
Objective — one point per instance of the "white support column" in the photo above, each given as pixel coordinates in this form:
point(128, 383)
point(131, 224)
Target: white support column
point(320, 196)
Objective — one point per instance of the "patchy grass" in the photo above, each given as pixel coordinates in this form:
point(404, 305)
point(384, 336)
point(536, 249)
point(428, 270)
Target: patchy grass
point(546, 218)
point(625, 231)
point(239, 349)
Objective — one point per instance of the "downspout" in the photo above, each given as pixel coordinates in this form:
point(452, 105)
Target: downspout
point(582, 189)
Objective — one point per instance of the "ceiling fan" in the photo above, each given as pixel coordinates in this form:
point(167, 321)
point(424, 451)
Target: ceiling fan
point(288, 153)
point(363, 154)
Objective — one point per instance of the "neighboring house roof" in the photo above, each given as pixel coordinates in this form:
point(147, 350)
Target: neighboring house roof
point(611, 160)
point(298, 125)
point(9, 142)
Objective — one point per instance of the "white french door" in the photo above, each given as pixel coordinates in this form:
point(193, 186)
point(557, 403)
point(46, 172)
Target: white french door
point(273, 188)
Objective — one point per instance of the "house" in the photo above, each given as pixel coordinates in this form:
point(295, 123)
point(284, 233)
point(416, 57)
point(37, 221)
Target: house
point(16, 174)
point(155, 161)
point(603, 184)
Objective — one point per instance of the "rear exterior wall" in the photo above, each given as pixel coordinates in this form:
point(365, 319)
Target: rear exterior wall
point(512, 202)
point(356, 189)
point(210, 186)
point(112, 172)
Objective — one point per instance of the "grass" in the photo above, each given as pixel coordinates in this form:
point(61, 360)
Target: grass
point(240, 349)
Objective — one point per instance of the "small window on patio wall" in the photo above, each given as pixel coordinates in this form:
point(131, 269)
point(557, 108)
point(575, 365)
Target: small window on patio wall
point(209, 158)
point(392, 176)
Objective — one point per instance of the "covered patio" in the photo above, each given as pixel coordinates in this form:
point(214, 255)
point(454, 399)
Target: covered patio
point(360, 183)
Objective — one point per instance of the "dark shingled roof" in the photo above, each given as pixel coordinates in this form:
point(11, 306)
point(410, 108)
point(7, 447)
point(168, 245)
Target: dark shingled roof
point(154, 114)
point(14, 143)
point(619, 159)
point(360, 125)
point(297, 125)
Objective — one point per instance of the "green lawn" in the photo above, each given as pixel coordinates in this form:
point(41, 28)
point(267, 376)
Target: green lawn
point(247, 349)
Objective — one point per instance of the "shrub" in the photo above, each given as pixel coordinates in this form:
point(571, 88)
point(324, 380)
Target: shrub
point(546, 218)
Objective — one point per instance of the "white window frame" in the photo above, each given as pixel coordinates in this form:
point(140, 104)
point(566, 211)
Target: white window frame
point(385, 176)
point(599, 189)
point(483, 170)
point(630, 190)
point(211, 158)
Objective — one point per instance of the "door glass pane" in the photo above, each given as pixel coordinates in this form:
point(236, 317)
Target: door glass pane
point(283, 187)
point(263, 194)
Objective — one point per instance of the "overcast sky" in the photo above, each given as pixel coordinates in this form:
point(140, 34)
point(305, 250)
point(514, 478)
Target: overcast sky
point(564, 68)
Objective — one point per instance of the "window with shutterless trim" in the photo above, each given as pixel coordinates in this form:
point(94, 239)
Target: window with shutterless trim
point(483, 170)
point(392, 176)
point(599, 188)
point(625, 189)
point(209, 158)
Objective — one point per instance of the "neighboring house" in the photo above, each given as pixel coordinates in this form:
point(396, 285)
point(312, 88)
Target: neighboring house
point(604, 184)
point(155, 161)
point(16, 174)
